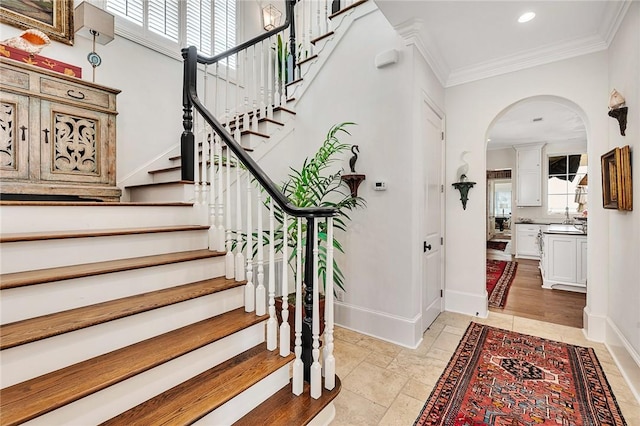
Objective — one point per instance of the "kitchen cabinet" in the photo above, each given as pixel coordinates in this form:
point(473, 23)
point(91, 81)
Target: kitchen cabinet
point(564, 262)
point(529, 175)
point(526, 240)
point(58, 135)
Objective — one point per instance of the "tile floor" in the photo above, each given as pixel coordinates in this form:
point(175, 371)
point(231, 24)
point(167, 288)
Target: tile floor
point(386, 384)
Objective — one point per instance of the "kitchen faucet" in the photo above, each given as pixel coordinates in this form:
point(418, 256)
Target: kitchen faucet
point(567, 220)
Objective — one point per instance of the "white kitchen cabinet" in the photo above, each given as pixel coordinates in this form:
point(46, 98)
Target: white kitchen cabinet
point(527, 245)
point(529, 175)
point(564, 262)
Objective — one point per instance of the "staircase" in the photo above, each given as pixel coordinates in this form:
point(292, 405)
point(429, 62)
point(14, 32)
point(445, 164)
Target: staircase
point(127, 313)
point(130, 325)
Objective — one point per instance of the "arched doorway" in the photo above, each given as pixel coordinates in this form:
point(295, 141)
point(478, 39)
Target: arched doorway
point(538, 147)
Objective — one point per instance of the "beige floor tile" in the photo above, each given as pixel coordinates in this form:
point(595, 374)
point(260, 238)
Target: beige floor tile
point(498, 320)
point(536, 328)
point(441, 354)
point(403, 411)
point(347, 335)
point(355, 410)
point(381, 360)
point(447, 342)
point(374, 383)
point(454, 319)
point(417, 389)
point(423, 347)
point(630, 412)
point(454, 330)
point(423, 369)
point(380, 346)
point(348, 356)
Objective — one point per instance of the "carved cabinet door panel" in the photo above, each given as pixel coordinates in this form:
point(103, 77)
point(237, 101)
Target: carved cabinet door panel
point(74, 144)
point(15, 133)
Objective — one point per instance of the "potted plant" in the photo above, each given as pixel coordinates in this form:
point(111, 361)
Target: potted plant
point(316, 183)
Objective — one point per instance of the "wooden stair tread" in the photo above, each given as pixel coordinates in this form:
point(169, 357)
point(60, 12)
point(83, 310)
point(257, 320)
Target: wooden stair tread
point(58, 235)
point(281, 108)
point(291, 83)
point(307, 59)
point(168, 183)
point(27, 400)
point(322, 37)
point(40, 276)
point(42, 327)
point(97, 204)
point(348, 8)
point(200, 395)
point(284, 408)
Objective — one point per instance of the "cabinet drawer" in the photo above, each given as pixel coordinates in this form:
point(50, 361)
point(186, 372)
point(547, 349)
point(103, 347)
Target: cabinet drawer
point(528, 228)
point(74, 93)
point(14, 78)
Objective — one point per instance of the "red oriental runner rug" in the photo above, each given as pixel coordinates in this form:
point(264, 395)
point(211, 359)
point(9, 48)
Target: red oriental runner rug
point(498, 377)
point(497, 245)
point(500, 275)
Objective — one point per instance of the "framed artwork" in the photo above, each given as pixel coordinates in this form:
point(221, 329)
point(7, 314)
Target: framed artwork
point(54, 17)
point(617, 186)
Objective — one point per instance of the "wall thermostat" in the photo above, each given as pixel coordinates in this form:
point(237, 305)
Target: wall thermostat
point(380, 186)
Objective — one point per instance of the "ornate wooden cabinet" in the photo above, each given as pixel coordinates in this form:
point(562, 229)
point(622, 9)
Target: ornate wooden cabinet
point(57, 135)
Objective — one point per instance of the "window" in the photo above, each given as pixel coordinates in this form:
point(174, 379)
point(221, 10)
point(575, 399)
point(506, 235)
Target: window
point(567, 183)
point(168, 25)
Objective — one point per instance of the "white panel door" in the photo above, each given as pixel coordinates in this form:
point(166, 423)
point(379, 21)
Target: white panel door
point(432, 250)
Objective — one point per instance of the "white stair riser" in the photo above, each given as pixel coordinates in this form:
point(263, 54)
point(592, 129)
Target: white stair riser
point(237, 407)
point(167, 175)
point(34, 359)
point(18, 219)
point(183, 193)
point(31, 301)
point(103, 405)
point(33, 255)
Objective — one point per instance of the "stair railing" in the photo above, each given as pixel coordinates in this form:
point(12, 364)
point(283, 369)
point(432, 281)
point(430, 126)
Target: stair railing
point(258, 64)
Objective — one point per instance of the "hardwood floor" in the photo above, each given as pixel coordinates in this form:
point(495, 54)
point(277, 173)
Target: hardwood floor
point(528, 299)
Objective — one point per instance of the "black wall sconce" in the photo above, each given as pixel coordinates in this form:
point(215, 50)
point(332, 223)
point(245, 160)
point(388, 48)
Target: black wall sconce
point(463, 186)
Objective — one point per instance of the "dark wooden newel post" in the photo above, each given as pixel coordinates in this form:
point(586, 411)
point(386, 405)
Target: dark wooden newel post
point(307, 323)
point(187, 140)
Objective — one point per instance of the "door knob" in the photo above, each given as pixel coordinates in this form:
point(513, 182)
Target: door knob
point(426, 247)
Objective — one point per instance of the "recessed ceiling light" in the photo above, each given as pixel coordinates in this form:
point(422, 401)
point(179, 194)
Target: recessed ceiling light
point(526, 17)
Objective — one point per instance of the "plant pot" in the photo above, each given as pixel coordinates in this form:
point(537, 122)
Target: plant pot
point(291, 319)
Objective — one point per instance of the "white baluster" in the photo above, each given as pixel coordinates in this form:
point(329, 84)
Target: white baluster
point(263, 84)
point(308, 25)
point(316, 369)
point(270, 82)
point(276, 76)
point(213, 237)
point(196, 181)
point(298, 366)
point(272, 322)
point(229, 258)
point(249, 288)
point(283, 71)
point(329, 361)
point(237, 135)
point(220, 216)
point(261, 295)
point(245, 118)
point(240, 271)
point(256, 93)
point(285, 330)
point(327, 7)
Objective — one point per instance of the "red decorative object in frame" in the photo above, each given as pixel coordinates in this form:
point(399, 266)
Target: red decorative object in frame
point(40, 61)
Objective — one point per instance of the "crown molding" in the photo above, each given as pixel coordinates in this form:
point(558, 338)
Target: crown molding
point(410, 31)
point(611, 23)
point(529, 59)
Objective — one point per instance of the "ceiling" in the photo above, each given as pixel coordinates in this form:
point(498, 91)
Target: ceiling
point(465, 41)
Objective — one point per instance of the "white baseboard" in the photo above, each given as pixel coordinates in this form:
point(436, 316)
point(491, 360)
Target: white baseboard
point(595, 326)
point(625, 356)
point(466, 303)
point(401, 331)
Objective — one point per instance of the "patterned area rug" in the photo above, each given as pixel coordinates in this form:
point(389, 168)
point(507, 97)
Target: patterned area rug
point(500, 275)
point(497, 245)
point(498, 377)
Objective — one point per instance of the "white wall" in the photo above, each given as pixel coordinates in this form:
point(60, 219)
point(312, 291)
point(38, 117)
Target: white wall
point(382, 287)
point(623, 313)
point(471, 109)
point(150, 105)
